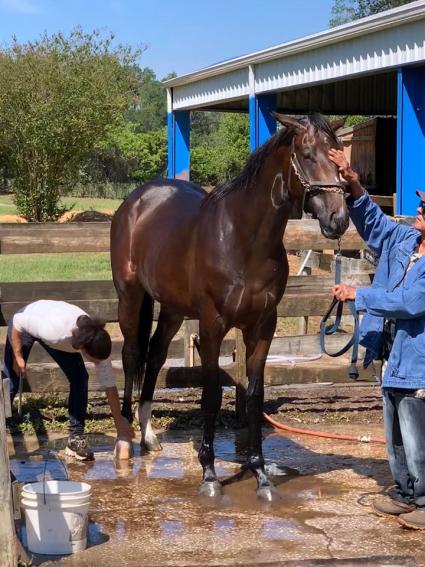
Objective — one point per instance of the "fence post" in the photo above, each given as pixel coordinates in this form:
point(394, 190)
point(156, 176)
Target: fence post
point(191, 327)
point(8, 556)
point(305, 270)
point(241, 379)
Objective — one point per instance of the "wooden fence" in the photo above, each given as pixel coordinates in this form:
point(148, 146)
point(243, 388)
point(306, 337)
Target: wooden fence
point(305, 296)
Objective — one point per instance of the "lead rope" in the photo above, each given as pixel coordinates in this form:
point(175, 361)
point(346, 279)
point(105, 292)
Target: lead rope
point(333, 328)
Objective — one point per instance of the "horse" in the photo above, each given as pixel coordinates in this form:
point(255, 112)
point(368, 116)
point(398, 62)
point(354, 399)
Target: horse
point(219, 257)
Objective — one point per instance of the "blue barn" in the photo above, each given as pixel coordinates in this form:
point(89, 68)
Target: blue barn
point(373, 66)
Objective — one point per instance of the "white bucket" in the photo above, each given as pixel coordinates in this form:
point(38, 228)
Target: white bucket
point(56, 515)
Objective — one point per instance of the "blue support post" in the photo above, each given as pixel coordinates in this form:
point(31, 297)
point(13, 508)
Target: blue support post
point(179, 144)
point(410, 138)
point(262, 124)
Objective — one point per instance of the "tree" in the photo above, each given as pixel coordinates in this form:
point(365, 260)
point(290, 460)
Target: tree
point(151, 110)
point(344, 11)
point(144, 153)
point(222, 153)
point(58, 97)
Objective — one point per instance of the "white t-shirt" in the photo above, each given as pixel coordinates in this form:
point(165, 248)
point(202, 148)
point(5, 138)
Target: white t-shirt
point(53, 322)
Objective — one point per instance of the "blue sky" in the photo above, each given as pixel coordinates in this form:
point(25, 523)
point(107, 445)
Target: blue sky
point(181, 36)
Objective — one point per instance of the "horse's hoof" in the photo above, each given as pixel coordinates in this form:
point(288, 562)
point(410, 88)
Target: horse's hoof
point(123, 449)
point(151, 445)
point(268, 494)
point(212, 489)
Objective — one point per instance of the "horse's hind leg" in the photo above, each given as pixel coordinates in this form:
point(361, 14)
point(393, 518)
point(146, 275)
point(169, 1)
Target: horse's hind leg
point(168, 325)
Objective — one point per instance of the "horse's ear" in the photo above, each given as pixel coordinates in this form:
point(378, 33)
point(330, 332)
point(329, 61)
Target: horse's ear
point(288, 121)
point(337, 124)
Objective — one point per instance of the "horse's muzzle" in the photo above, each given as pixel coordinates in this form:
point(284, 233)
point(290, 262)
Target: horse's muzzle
point(335, 225)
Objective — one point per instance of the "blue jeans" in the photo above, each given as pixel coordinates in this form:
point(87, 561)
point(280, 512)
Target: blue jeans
point(404, 421)
point(71, 363)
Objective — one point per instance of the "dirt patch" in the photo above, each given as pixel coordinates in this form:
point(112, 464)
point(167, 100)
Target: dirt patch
point(324, 405)
point(90, 216)
point(12, 218)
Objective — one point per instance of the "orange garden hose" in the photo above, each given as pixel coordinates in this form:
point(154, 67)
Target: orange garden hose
point(361, 438)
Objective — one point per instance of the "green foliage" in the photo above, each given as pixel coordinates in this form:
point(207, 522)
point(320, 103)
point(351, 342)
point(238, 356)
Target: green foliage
point(151, 111)
point(58, 97)
point(133, 151)
point(221, 154)
point(204, 161)
point(344, 11)
point(355, 120)
point(233, 136)
point(144, 152)
point(203, 124)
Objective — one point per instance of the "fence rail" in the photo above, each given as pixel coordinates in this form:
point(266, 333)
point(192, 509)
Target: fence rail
point(305, 296)
point(31, 238)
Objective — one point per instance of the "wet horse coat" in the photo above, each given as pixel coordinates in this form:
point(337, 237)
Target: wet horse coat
point(219, 258)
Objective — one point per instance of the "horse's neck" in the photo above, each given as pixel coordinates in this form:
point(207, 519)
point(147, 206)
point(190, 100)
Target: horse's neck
point(262, 210)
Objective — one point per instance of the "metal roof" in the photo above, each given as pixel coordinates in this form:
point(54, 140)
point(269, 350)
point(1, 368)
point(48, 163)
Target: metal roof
point(372, 45)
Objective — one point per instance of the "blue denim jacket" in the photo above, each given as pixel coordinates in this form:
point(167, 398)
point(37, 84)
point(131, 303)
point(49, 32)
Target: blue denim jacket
point(393, 294)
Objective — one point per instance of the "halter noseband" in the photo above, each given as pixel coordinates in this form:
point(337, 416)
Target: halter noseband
point(312, 187)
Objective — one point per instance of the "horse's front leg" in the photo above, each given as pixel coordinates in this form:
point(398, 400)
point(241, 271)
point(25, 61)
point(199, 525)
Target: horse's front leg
point(211, 334)
point(128, 317)
point(257, 340)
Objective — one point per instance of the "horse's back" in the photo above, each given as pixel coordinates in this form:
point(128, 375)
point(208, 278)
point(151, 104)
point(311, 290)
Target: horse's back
point(152, 235)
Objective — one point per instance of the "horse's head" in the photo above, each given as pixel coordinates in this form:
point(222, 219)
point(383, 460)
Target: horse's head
point(313, 179)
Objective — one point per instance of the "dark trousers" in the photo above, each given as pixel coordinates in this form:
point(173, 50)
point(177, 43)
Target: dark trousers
point(404, 421)
point(72, 364)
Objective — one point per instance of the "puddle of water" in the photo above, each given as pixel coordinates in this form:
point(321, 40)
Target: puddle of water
point(152, 500)
point(120, 529)
point(172, 529)
point(224, 524)
point(165, 467)
point(282, 529)
point(110, 469)
point(30, 470)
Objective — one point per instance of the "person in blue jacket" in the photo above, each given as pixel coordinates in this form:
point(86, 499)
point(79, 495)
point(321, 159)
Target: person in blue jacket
point(393, 328)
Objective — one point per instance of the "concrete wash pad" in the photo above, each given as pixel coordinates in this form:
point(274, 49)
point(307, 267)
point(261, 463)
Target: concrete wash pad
point(147, 511)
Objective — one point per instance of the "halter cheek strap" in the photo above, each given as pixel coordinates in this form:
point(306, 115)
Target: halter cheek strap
point(312, 187)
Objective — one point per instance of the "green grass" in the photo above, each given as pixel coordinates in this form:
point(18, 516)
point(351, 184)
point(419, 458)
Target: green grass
point(88, 204)
point(7, 206)
point(51, 267)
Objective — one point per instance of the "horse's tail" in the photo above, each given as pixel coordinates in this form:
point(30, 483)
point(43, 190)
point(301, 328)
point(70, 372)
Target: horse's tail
point(144, 334)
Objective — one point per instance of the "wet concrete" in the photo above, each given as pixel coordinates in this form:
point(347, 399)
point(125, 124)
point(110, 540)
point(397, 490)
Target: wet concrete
point(148, 511)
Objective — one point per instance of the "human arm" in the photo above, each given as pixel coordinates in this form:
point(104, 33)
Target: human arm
point(371, 223)
point(106, 377)
point(122, 425)
point(19, 364)
point(401, 303)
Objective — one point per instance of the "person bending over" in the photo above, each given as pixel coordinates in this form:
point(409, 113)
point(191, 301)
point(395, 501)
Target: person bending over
point(70, 336)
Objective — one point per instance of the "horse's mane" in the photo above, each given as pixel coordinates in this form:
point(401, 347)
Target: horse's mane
point(249, 174)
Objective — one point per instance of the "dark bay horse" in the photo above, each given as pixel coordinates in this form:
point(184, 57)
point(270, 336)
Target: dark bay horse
point(219, 258)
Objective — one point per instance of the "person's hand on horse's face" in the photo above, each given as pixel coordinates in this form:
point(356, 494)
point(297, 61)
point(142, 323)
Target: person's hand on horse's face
point(344, 292)
point(339, 159)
